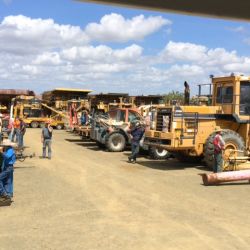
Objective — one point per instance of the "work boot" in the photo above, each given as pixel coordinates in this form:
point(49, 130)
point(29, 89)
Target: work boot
point(5, 197)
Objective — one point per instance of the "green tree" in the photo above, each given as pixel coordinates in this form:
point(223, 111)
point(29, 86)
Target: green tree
point(174, 96)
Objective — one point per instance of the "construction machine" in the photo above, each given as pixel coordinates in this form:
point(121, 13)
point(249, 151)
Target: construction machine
point(188, 131)
point(110, 131)
point(35, 113)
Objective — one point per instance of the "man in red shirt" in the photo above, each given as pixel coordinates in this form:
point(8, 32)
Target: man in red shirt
point(219, 145)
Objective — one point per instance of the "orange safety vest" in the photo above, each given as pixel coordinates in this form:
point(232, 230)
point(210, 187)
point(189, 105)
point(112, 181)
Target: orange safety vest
point(16, 124)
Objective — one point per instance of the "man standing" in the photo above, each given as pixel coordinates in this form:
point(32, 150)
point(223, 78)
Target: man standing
point(136, 131)
point(22, 132)
point(16, 130)
point(186, 93)
point(6, 175)
point(46, 139)
point(219, 145)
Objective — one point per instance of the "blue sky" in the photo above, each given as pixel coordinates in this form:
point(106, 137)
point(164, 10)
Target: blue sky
point(135, 51)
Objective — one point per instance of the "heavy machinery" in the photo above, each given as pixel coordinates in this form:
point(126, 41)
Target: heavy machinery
point(35, 113)
point(110, 131)
point(188, 131)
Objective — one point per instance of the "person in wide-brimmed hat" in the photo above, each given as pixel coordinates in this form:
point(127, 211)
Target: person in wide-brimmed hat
point(219, 145)
point(6, 175)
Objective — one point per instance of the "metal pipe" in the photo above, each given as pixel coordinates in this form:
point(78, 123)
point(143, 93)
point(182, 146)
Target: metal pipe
point(216, 178)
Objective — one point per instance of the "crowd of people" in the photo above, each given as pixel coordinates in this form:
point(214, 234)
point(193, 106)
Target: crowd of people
point(16, 131)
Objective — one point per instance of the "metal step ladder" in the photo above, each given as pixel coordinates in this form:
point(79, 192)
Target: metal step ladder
point(189, 126)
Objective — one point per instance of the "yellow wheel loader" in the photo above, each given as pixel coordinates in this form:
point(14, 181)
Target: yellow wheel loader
point(188, 131)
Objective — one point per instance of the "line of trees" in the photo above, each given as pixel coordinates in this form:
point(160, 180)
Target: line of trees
point(174, 96)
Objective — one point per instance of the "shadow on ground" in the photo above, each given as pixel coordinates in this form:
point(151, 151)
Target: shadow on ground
point(171, 164)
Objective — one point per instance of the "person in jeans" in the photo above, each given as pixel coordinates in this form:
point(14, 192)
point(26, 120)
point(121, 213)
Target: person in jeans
point(16, 130)
point(46, 139)
point(6, 175)
point(219, 145)
point(137, 132)
point(21, 134)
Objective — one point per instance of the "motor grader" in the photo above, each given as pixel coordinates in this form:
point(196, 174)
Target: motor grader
point(188, 131)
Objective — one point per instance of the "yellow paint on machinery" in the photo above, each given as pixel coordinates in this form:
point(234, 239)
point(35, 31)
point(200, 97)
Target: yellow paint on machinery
point(188, 131)
point(31, 110)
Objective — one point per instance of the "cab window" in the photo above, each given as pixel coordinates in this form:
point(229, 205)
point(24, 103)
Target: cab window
point(224, 94)
point(121, 116)
point(133, 115)
point(112, 114)
point(245, 98)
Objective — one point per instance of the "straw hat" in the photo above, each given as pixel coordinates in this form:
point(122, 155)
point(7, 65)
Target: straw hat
point(8, 143)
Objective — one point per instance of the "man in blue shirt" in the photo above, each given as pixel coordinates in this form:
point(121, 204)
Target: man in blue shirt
point(6, 175)
point(137, 132)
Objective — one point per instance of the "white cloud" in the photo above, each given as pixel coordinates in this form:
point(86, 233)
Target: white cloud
point(115, 28)
point(183, 52)
point(104, 54)
point(239, 29)
point(41, 54)
point(23, 35)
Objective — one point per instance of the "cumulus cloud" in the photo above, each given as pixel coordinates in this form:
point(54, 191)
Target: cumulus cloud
point(23, 35)
point(41, 54)
point(238, 29)
point(116, 28)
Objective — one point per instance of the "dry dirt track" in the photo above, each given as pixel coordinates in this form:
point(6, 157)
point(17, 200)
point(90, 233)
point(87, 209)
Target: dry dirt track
point(85, 198)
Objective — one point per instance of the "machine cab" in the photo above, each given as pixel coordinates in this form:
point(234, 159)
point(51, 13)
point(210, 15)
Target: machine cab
point(232, 94)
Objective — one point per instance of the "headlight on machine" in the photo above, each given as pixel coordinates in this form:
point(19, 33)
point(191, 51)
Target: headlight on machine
point(153, 125)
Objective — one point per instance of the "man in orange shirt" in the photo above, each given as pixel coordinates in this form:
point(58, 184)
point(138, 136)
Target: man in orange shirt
point(16, 131)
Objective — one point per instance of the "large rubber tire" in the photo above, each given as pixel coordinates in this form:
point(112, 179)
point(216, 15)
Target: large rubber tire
point(231, 138)
point(34, 124)
point(116, 142)
point(158, 154)
point(41, 124)
point(183, 157)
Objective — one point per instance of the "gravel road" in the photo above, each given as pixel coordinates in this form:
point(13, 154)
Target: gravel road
point(86, 198)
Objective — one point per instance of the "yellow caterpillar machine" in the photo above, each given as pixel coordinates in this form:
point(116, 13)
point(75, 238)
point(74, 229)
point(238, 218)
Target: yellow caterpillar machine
point(188, 131)
point(34, 112)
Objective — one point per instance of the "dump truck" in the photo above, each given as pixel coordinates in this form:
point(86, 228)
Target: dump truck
point(188, 131)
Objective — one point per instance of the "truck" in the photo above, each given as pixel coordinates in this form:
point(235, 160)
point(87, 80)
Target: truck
point(110, 131)
point(188, 131)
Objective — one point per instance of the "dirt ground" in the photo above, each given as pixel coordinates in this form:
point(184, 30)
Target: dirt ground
point(86, 198)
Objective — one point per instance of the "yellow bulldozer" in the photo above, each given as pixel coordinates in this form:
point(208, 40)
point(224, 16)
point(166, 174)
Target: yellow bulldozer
point(188, 131)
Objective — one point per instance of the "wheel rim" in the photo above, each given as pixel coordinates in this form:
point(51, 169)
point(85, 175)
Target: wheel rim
point(117, 141)
point(230, 150)
point(161, 151)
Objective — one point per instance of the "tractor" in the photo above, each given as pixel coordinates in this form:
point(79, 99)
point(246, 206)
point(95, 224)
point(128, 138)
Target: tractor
point(188, 131)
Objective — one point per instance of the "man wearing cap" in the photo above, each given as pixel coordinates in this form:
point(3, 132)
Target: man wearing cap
point(6, 175)
point(219, 145)
point(137, 132)
point(46, 139)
